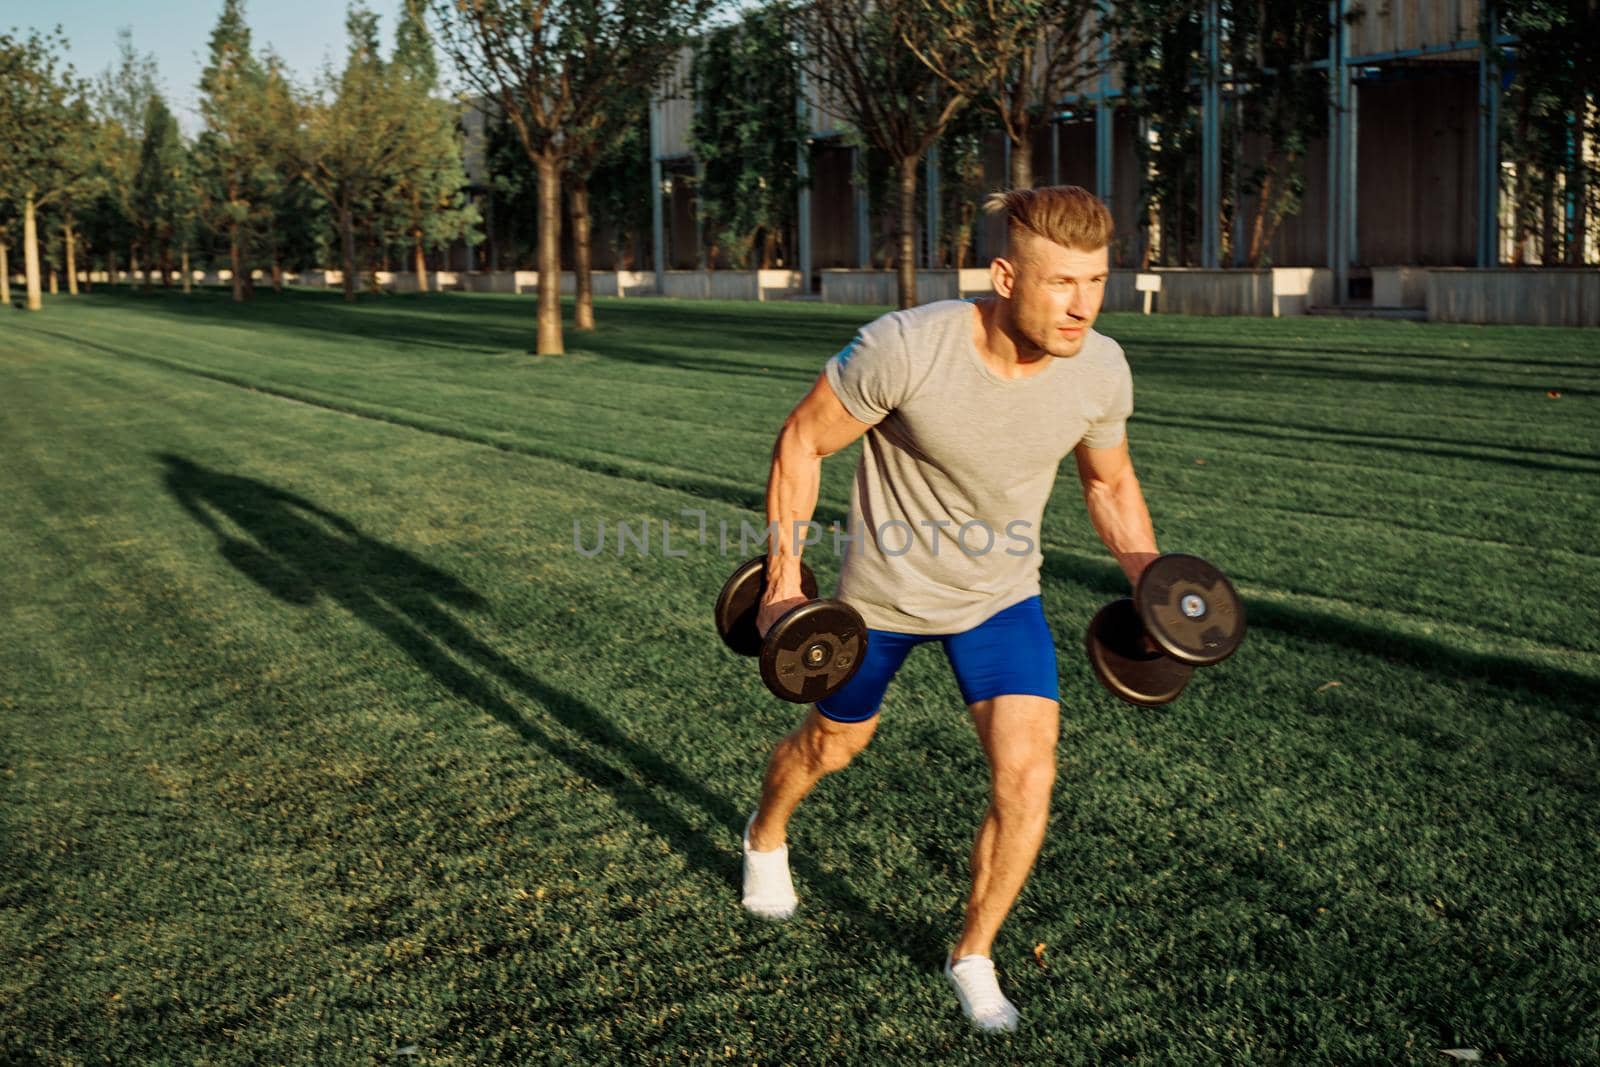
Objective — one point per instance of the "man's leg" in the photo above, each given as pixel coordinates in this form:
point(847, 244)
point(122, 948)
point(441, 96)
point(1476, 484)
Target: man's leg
point(1019, 736)
point(819, 747)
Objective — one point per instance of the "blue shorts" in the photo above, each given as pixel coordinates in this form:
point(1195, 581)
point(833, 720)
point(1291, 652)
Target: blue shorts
point(1009, 652)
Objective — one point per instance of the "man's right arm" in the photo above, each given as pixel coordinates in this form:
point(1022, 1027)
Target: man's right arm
point(818, 427)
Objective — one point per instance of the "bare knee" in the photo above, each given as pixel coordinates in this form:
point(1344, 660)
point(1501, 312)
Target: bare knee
point(1024, 787)
point(828, 746)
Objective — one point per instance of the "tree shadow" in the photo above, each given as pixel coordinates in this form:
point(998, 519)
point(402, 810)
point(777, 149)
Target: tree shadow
point(300, 552)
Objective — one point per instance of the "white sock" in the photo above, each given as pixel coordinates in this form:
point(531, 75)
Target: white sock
point(768, 889)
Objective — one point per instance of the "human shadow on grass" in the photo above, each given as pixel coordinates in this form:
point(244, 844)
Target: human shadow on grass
point(299, 552)
point(1576, 694)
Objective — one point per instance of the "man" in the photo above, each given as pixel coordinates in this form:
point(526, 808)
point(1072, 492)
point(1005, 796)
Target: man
point(967, 408)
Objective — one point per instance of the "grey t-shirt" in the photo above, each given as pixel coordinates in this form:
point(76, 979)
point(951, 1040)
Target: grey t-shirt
point(959, 464)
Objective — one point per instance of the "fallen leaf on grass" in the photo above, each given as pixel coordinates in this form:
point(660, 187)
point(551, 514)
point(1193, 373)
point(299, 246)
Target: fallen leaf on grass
point(1553, 394)
point(1325, 686)
point(1199, 463)
point(1038, 954)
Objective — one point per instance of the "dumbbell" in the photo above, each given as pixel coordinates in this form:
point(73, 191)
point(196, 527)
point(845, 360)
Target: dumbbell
point(809, 653)
point(1183, 614)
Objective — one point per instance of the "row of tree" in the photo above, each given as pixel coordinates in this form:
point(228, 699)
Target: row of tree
point(367, 158)
point(365, 163)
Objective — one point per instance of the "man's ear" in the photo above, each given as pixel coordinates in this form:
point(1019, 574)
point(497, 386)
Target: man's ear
point(1002, 276)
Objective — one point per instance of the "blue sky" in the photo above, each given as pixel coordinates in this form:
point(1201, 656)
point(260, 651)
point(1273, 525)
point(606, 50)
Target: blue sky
point(303, 32)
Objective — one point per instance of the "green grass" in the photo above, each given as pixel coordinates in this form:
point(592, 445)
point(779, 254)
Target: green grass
point(319, 741)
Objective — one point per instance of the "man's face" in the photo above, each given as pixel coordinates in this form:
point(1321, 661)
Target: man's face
point(1054, 292)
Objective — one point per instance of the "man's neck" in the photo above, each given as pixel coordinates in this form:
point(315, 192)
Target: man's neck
point(1005, 353)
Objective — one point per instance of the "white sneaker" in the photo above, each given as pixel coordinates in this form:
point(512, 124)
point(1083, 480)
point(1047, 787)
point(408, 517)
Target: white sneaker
point(981, 999)
point(768, 890)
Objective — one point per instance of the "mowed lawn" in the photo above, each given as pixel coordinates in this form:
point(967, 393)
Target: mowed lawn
point(320, 741)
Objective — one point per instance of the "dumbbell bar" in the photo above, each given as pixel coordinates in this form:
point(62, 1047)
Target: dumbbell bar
point(1184, 614)
point(809, 653)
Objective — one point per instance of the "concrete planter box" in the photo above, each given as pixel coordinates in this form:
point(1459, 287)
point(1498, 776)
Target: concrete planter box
point(1273, 292)
point(1399, 287)
point(730, 284)
point(1531, 296)
point(501, 281)
point(882, 286)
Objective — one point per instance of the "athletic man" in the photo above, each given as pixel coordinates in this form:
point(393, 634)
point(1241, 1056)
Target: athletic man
point(967, 408)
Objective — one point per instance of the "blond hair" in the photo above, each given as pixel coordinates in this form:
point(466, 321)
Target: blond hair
point(1069, 215)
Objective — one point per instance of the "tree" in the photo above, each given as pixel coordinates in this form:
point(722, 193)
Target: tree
point(1157, 44)
point(865, 76)
point(122, 97)
point(356, 133)
point(1281, 107)
point(1014, 58)
point(426, 198)
point(45, 125)
point(559, 71)
point(7, 221)
point(156, 185)
point(236, 149)
point(1552, 123)
point(749, 135)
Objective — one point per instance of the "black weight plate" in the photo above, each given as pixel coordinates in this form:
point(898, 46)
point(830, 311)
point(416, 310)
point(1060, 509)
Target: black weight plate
point(740, 600)
point(1125, 665)
point(1190, 609)
point(813, 651)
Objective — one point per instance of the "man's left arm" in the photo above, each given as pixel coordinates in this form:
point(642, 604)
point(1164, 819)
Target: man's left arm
point(1116, 506)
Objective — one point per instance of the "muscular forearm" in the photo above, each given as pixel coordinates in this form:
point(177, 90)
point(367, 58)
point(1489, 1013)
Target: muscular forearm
point(792, 489)
point(1122, 520)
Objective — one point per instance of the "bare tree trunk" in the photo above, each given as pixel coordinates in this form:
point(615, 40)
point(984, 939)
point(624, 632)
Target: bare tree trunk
point(166, 265)
point(1576, 184)
point(347, 251)
point(419, 262)
point(236, 258)
point(72, 256)
point(578, 204)
point(133, 264)
point(549, 335)
point(111, 262)
point(5, 275)
point(188, 276)
point(1547, 221)
point(55, 287)
point(30, 254)
point(908, 232)
point(1022, 159)
point(1258, 228)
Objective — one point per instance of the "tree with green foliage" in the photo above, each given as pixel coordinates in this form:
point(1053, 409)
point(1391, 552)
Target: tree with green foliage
point(862, 73)
point(1551, 123)
point(236, 150)
point(47, 129)
point(748, 134)
point(353, 134)
point(157, 185)
point(424, 202)
point(1280, 108)
point(1013, 58)
point(1157, 45)
point(122, 95)
point(560, 72)
point(962, 182)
